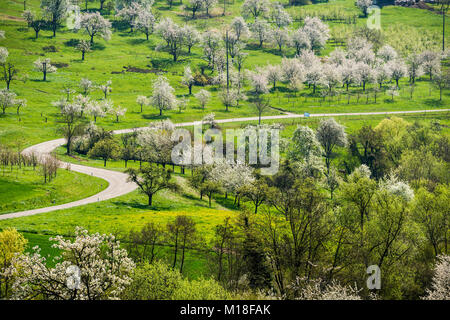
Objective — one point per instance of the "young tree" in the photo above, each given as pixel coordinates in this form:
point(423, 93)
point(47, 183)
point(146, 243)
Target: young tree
point(86, 86)
point(44, 66)
point(90, 267)
point(106, 88)
point(442, 81)
point(95, 25)
point(95, 110)
point(330, 134)
point(163, 97)
point(83, 46)
point(20, 103)
point(203, 97)
point(183, 234)
point(229, 98)
point(142, 101)
point(118, 111)
point(55, 11)
point(258, 82)
point(188, 79)
point(151, 179)
point(173, 35)
point(105, 149)
point(273, 73)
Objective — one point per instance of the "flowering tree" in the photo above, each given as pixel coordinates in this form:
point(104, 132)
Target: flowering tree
point(261, 31)
point(95, 110)
point(86, 86)
point(106, 88)
point(118, 111)
point(163, 97)
point(209, 4)
point(240, 28)
point(398, 70)
point(259, 82)
point(203, 97)
point(387, 53)
point(7, 99)
point(364, 5)
point(191, 37)
point(70, 118)
point(196, 5)
point(130, 13)
point(300, 40)
point(54, 11)
point(44, 66)
point(317, 31)
point(280, 17)
point(431, 63)
point(83, 46)
point(273, 74)
point(95, 25)
point(255, 8)
point(173, 35)
point(91, 267)
point(145, 22)
point(440, 289)
point(414, 65)
point(330, 134)
point(188, 79)
point(142, 101)
point(280, 37)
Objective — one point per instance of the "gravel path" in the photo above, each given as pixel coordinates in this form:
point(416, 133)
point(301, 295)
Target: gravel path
point(117, 181)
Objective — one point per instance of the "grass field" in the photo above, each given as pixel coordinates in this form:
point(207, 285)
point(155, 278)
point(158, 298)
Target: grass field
point(24, 188)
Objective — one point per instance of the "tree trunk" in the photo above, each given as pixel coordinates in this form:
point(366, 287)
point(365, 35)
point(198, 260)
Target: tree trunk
point(150, 196)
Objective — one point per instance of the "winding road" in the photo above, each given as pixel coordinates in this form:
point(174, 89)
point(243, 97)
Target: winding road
point(117, 181)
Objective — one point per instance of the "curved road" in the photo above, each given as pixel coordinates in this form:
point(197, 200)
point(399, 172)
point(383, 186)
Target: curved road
point(117, 181)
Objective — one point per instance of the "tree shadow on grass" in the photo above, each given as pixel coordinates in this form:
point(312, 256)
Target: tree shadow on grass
point(154, 117)
point(135, 42)
point(142, 206)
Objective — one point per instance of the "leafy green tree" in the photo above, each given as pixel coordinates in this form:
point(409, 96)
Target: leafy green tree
point(105, 149)
point(151, 179)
